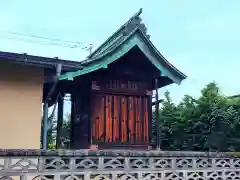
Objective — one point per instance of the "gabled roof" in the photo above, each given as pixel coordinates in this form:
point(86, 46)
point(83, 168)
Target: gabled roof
point(132, 34)
point(39, 61)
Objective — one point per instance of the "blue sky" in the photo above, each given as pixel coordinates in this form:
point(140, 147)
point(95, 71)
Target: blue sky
point(201, 38)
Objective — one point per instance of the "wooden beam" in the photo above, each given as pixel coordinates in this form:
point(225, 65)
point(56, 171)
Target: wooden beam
point(72, 143)
point(150, 120)
point(157, 117)
point(59, 122)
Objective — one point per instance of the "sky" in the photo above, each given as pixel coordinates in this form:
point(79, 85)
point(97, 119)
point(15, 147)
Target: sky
point(199, 37)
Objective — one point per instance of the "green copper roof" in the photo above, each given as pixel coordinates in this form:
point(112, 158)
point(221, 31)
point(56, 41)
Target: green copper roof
point(128, 26)
point(131, 34)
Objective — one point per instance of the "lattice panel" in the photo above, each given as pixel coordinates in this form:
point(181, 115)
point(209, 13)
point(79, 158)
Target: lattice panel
point(119, 168)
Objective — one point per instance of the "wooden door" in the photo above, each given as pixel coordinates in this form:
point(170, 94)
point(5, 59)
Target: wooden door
point(120, 119)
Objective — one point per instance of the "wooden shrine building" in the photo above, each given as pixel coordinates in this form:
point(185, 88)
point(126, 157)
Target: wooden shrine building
point(111, 92)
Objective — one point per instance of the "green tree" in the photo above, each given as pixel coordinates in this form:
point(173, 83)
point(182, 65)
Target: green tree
point(209, 123)
point(168, 123)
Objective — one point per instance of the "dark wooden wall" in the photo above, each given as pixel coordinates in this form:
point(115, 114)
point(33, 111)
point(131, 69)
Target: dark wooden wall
point(80, 116)
point(113, 106)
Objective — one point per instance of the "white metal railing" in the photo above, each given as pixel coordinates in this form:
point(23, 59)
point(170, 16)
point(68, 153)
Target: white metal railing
point(118, 165)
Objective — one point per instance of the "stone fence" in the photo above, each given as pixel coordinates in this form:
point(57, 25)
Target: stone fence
point(118, 165)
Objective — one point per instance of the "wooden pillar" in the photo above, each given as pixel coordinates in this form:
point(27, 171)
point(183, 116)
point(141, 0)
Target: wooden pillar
point(45, 125)
point(80, 120)
point(150, 122)
point(72, 121)
point(158, 142)
point(59, 121)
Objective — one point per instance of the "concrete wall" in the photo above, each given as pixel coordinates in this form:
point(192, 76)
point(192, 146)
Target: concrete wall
point(20, 105)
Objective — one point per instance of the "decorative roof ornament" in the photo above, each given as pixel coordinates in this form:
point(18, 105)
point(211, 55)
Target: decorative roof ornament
point(135, 22)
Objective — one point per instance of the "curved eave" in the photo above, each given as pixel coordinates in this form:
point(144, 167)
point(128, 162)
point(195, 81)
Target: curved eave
point(136, 38)
point(162, 59)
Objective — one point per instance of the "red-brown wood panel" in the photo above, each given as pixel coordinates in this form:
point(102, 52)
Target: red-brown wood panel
point(116, 119)
point(137, 125)
point(95, 118)
point(124, 119)
point(120, 119)
point(131, 119)
point(140, 119)
point(101, 119)
point(146, 120)
point(108, 119)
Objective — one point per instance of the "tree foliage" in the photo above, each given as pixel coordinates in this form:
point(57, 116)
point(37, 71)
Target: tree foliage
point(208, 123)
point(52, 132)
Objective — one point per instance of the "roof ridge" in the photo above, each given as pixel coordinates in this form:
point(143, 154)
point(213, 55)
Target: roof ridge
point(109, 49)
point(123, 27)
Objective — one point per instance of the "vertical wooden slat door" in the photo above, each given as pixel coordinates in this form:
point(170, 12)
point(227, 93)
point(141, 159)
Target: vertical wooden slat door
point(123, 119)
point(98, 119)
point(120, 119)
point(116, 119)
point(146, 120)
point(108, 119)
point(131, 120)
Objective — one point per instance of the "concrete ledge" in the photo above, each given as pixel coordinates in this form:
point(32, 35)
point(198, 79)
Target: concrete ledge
point(113, 153)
